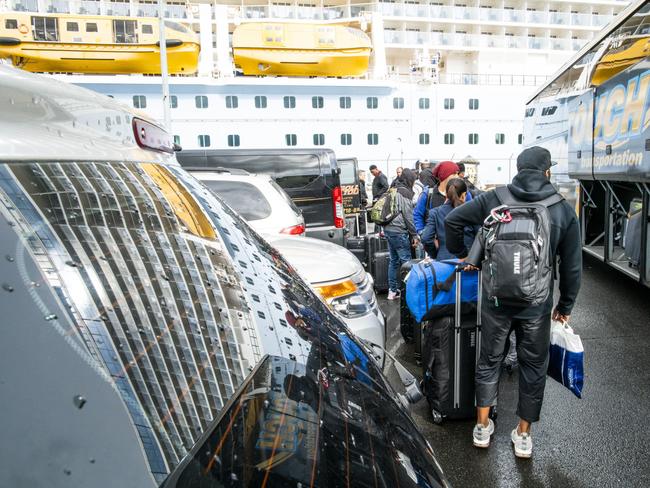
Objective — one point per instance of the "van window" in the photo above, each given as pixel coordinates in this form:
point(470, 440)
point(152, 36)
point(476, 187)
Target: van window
point(243, 198)
point(347, 175)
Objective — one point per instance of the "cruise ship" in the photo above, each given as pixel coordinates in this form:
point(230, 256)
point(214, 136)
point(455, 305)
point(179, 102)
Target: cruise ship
point(428, 80)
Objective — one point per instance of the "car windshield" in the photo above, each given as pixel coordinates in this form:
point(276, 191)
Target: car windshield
point(166, 291)
point(245, 199)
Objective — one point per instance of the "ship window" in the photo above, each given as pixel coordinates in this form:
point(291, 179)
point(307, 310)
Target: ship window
point(473, 103)
point(204, 140)
point(290, 102)
point(139, 101)
point(177, 140)
point(346, 139)
point(473, 138)
point(45, 29)
point(449, 104)
point(72, 26)
point(124, 31)
point(345, 102)
point(91, 27)
point(174, 101)
point(372, 102)
point(147, 29)
point(319, 139)
point(424, 103)
point(398, 103)
point(424, 138)
point(449, 139)
point(291, 139)
point(11, 24)
point(233, 140)
point(232, 101)
point(549, 110)
point(201, 101)
point(260, 101)
point(373, 139)
point(520, 139)
point(317, 102)
point(500, 138)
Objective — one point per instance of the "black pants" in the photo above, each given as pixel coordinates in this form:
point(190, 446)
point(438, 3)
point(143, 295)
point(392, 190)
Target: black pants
point(533, 337)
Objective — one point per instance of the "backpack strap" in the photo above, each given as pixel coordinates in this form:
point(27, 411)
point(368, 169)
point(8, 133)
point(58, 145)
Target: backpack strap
point(507, 198)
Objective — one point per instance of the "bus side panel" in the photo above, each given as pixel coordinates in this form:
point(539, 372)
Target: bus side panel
point(580, 154)
point(622, 126)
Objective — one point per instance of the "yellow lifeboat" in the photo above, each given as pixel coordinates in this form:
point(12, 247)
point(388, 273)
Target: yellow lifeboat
point(631, 51)
point(65, 43)
point(300, 49)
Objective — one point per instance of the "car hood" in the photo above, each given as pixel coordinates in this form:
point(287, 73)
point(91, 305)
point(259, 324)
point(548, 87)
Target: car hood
point(296, 425)
point(316, 260)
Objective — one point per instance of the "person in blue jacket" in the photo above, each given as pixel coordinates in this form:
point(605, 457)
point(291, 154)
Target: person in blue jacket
point(433, 195)
point(433, 235)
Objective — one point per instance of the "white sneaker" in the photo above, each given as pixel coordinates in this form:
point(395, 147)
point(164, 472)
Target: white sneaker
point(523, 444)
point(481, 434)
point(393, 295)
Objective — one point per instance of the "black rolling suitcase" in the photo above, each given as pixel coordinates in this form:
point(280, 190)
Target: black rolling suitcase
point(378, 257)
point(450, 348)
point(357, 246)
point(407, 323)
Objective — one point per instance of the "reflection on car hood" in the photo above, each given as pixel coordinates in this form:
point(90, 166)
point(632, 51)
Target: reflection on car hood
point(292, 425)
point(316, 260)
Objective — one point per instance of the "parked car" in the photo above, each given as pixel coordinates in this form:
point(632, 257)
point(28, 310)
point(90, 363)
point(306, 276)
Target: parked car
point(338, 276)
point(150, 336)
point(309, 176)
point(257, 198)
point(331, 269)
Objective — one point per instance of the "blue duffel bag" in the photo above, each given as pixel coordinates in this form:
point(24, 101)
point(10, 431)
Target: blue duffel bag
point(431, 289)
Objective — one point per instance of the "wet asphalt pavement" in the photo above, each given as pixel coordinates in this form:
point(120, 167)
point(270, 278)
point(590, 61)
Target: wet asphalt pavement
point(601, 440)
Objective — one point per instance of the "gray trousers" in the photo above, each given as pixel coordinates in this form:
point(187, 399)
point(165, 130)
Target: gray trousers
point(533, 337)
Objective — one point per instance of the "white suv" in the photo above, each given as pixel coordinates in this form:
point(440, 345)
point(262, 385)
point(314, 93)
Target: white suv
point(257, 198)
point(331, 269)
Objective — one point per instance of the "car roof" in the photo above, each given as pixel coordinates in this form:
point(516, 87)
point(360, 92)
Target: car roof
point(234, 176)
point(48, 120)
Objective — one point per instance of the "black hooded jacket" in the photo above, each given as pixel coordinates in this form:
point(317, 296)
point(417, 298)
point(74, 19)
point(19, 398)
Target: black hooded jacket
point(529, 186)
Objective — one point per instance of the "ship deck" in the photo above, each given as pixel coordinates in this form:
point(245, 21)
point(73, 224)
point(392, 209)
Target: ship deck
point(599, 440)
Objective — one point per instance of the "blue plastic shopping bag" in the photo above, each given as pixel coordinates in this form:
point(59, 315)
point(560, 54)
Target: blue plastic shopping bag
point(566, 358)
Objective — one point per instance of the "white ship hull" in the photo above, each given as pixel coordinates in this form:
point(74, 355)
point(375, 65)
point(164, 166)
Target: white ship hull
point(403, 135)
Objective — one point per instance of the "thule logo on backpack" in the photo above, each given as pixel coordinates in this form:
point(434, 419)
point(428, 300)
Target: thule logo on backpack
point(517, 263)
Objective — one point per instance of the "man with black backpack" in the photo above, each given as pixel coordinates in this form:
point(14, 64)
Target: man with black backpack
point(526, 227)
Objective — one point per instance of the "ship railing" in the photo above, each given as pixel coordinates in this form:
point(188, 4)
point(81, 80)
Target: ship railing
point(444, 40)
point(434, 12)
point(96, 7)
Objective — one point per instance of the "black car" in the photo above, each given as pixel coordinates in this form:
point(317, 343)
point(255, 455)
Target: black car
point(309, 176)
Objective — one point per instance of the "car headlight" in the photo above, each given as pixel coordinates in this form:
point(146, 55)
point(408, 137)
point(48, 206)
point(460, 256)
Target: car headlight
point(351, 306)
point(345, 299)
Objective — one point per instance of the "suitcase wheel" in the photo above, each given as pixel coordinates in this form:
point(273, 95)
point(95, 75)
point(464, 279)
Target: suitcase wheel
point(437, 416)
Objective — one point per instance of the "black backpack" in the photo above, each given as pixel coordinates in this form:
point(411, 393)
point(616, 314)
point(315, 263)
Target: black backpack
point(518, 266)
